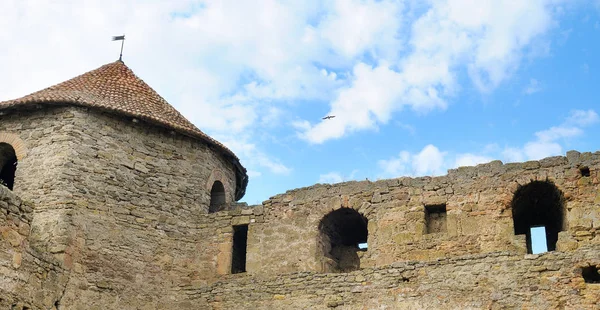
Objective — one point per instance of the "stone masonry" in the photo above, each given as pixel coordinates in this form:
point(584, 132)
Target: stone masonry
point(109, 211)
point(102, 187)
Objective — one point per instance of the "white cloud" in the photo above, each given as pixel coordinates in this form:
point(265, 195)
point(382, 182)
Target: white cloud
point(410, 128)
point(336, 177)
point(585, 68)
point(512, 154)
point(253, 174)
point(272, 117)
point(541, 149)
point(548, 142)
point(254, 158)
point(471, 160)
point(395, 167)
point(533, 87)
point(487, 38)
point(429, 161)
point(232, 67)
point(559, 132)
point(583, 118)
point(301, 124)
point(354, 27)
point(331, 177)
point(374, 94)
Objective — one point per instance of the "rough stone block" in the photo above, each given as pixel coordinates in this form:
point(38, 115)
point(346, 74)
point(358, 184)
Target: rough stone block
point(12, 237)
point(240, 220)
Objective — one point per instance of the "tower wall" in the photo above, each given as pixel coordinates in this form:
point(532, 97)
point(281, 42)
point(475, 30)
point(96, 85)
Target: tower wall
point(118, 204)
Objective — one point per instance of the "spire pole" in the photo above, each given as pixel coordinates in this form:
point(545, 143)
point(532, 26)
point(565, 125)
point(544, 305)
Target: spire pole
point(122, 39)
point(121, 54)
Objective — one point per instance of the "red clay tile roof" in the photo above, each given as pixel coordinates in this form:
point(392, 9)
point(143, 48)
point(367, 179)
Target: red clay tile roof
point(115, 88)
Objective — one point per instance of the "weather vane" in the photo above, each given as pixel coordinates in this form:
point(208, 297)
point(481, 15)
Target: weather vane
point(120, 38)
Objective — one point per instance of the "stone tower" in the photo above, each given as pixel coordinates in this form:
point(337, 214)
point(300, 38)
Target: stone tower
point(103, 168)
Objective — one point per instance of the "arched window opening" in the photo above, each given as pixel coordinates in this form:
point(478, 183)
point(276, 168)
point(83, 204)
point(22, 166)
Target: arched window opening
point(217, 197)
point(535, 205)
point(8, 165)
point(343, 234)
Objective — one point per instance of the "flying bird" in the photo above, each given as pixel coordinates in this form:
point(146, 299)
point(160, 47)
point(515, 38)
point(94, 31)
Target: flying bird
point(329, 117)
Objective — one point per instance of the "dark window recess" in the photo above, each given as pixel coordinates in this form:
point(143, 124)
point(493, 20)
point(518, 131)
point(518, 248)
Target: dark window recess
point(435, 219)
point(539, 203)
point(8, 165)
point(590, 274)
point(217, 197)
point(240, 243)
point(343, 233)
point(585, 171)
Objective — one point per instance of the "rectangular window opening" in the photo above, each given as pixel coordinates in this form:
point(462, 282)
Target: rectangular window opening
point(435, 219)
point(538, 239)
point(363, 246)
point(240, 243)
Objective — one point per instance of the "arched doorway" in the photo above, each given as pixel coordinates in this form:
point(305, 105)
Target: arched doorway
point(535, 205)
point(340, 234)
point(217, 197)
point(8, 165)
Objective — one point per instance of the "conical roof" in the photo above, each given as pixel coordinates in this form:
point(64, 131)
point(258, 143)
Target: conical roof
point(115, 88)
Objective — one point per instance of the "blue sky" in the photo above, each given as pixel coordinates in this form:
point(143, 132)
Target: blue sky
point(417, 87)
point(538, 240)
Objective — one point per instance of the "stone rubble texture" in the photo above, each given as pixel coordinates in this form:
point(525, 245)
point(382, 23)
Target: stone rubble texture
point(107, 213)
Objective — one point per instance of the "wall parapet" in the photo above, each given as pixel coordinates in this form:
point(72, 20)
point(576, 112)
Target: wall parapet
point(496, 167)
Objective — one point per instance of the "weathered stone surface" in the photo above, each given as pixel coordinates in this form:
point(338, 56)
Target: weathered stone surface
point(111, 214)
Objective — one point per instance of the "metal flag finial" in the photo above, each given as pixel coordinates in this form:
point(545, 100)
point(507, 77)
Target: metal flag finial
point(120, 38)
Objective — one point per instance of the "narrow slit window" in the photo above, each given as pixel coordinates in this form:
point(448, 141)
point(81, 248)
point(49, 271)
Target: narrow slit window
point(538, 240)
point(590, 274)
point(240, 243)
point(435, 219)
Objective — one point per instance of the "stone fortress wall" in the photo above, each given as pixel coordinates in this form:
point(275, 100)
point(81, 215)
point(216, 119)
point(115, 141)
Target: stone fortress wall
point(108, 213)
point(478, 214)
